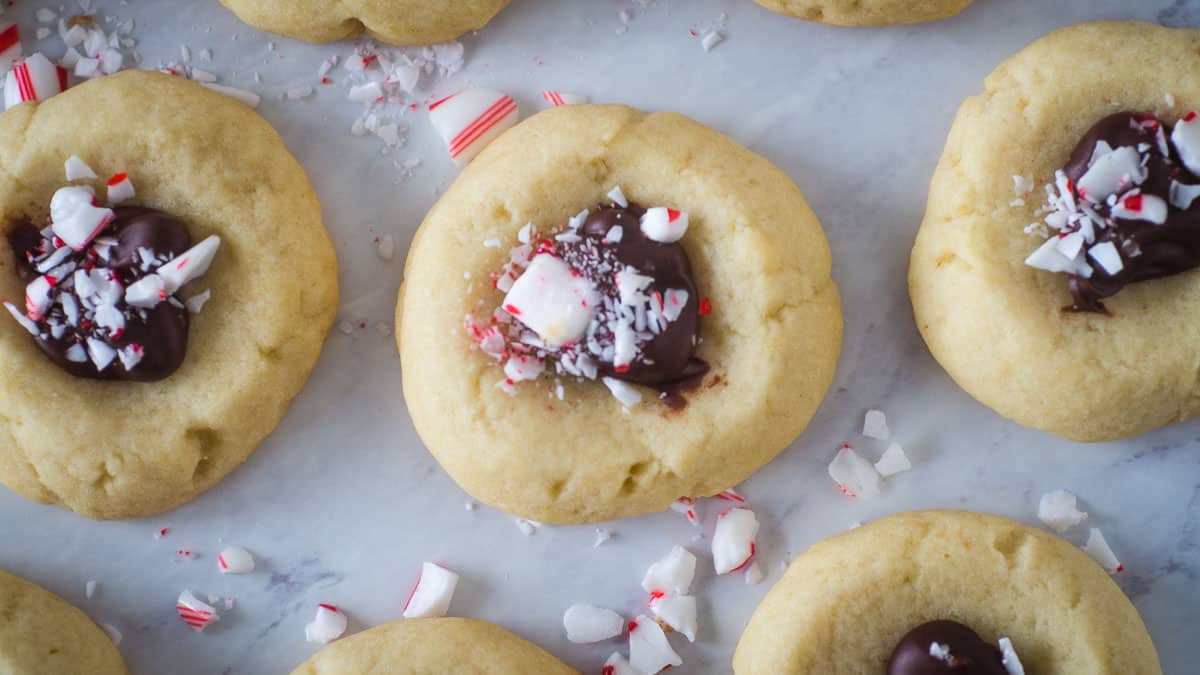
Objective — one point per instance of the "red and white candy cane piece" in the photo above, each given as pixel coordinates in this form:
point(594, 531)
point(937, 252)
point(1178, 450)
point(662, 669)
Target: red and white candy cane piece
point(1139, 206)
point(552, 300)
point(34, 79)
point(731, 495)
point(617, 665)
point(557, 98)
point(686, 506)
point(38, 298)
point(854, 475)
point(328, 625)
point(189, 265)
point(678, 611)
point(120, 188)
point(74, 217)
point(146, 292)
point(1186, 137)
point(194, 611)
point(673, 573)
point(649, 651)
point(733, 541)
point(10, 44)
point(235, 560)
point(432, 593)
point(664, 225)
point(469, 120)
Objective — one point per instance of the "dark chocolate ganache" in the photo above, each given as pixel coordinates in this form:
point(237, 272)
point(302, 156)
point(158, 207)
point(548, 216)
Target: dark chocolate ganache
point(665, 356)
point(1150, 220)
point(945, 648)
point(88, 328)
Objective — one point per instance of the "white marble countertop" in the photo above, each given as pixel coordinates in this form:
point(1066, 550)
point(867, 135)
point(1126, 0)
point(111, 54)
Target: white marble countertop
point(343, 503)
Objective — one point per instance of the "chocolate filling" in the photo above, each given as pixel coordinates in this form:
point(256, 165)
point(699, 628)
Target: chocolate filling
point(666, 361)
point(1147, 250)
point(158, 334)
point(958, 651)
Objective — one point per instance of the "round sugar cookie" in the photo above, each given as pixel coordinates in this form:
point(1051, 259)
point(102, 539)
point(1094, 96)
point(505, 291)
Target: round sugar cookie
point(419, 646)
point(997, 325)
point(867, 12)
point(400, 22)
point(769, 330)
point(42, 634)
point(846, 602)
point(113, 449)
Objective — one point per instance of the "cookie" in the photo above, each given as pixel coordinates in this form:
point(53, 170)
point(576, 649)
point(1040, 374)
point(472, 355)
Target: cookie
point(850, 604)
point(200, 166)
point(1008, 332)
point(867, 12)
point(42, 634)
point(400, 22)
point(563, 405)
point(417, 646)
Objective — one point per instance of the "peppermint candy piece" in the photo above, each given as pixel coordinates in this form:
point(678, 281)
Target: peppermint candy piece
point(1100, 551)
point(664, 225)
point(432, 593)
point(328, 625)
point(856, 476)
point(733, 541)
point(146, 292)
point(470, 119)
point(678, 611)
point(1138, 206)
point(74, 217)
point(34, 79)
point(557, 98)
point(235, 560)
point(617, 665)
point(1186, 138)
point(101, 354)
point(552, 301)
point(673, 573)
point(1183, 195)
point(26, 323)
point(10, 44)
point(1048, 257)
point(37, 298)
point(586, 624)
point(194, 611)
point(893, 461)
point(1009, 658)
point(1058, 510)
point(1112, 172)
point(625, 393)
point(77, 169)
point(875, 425)
point(189, 265)
point(1105, 255)
point(120, 188)
point(649, 651)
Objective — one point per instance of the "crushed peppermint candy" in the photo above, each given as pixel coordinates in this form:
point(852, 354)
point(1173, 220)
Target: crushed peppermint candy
point(875, 425)
point(1099, 550)
point(194, 611)
point(432, 593)
point(893, 461)
point(1059, 511)
point(649, 650)
point(586, 624)
point(677, 612)
point(733, 542)
point(1009, 658)
point(235, 560)
point(328, 625)
point(854, 475)
point(673, 573)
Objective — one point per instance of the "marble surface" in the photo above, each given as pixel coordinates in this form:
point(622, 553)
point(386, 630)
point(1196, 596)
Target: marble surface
point(343, 503)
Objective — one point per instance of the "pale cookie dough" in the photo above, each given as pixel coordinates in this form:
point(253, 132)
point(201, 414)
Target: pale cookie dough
point(400, 22)
point(867, 12)
point(121, 449)
point(994, 323)
point(41, 634)
point(843, 604)
point(420, 646)
point(756, 250)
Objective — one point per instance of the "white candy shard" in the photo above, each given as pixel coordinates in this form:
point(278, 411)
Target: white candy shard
point(624, 392)
point(1112, 172)
point(552, 300)
point(386, 247)
point(664, 225)
point(1186, 138)
point(74, 218)
point(711, 39)
point(100, 353)
point(34, 79)
point(1105, 255)
point(854, 474)
point(235, 560)
point(130, 355)
point(673, 573)
point(146, 292)
point(120, 188)
point(1048, 257)
point(1022, 185)
point(557, 98)
point(1183, 195)
point(686, 506)
point(25, 321)
point(328, 625)
point(469, 120)
point(112, 633)
point(1010, 660)
point(196, 303)
point(194, 611)
point(189, 265)
point(678, 611)
point(89, 589)
point(38, 298)
point(1098, 548)
point(733, 540)
point(1138, 206)
point(617, 665)
point(939, 651)
point(1058, 510)
point(649, 651)
point(617, 197)
point(754, 574)
point(366, 93)
point(521, 367)
point(875, 425)
point(77, 169)
point(586, 624)
point(893, 461)
point(433, 592)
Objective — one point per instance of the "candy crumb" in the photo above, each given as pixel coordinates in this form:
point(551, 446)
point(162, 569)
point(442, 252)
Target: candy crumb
point(875, 425)
point(1100, 551)
point(893, 461)
point(854, 475)
point(90, 588)
point(711, 39)
point(602, 535)
point(754, 574)
point(1059, 511)
point(1010, 660)
point(112, 633)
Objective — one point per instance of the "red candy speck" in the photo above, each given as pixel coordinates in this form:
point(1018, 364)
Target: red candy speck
point(332, 608)
point(633, 626)
point(1190, 116)
point(512, 309)
point(705, 306)
point(1133, 202)
point(117, 178)
point(608, 670)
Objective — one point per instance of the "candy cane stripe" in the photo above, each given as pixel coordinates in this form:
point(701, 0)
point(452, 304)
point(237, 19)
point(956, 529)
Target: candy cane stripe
point(465, 136)
point(24, 84)
point(9, 38)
